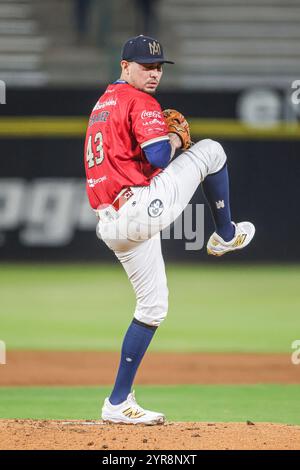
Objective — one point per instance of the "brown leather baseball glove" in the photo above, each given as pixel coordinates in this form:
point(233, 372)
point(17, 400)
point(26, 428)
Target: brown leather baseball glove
point(177, 123)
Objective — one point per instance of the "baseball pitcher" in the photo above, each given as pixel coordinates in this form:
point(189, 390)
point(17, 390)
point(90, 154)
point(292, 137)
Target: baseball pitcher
point(137, 190)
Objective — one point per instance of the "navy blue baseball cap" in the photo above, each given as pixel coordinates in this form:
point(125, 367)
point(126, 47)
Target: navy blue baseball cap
point(144, 50)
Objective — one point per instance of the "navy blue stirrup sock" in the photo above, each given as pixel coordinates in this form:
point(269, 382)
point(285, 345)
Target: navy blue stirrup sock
point(216, 190)
point(135, 344)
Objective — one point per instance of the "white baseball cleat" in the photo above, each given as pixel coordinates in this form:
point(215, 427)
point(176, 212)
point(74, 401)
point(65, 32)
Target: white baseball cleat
point(244, 232)
point(129, 412)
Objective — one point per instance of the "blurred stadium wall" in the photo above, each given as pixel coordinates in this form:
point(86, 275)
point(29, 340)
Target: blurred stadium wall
point(236, 78)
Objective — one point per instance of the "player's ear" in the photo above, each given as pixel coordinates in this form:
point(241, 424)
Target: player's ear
point(125, 65)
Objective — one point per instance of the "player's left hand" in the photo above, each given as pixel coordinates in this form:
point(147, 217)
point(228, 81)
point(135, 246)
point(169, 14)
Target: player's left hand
point(177, 124)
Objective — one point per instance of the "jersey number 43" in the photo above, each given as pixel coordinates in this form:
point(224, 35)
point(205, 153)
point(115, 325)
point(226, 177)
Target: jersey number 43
point(90, 156)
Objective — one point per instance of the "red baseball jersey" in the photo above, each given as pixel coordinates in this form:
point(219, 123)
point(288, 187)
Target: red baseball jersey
point(123, 121)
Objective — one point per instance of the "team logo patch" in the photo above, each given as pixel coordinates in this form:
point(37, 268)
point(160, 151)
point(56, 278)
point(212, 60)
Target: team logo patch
point(156, 207)
point(154, 48)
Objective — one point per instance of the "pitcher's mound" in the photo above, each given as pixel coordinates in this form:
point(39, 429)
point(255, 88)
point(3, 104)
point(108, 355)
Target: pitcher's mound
point(30, 434)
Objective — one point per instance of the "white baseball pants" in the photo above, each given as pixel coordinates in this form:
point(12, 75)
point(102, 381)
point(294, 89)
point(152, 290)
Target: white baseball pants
point(133, 233)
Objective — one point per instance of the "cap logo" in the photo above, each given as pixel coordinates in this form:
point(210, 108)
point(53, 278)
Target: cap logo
point(154, 48)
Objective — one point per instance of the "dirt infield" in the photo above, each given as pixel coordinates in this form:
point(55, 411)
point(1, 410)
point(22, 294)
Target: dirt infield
point(25, 434)
point(99, 368)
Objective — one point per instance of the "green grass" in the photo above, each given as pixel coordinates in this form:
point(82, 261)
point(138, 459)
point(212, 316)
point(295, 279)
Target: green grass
point(264, 403)
point(212, 308)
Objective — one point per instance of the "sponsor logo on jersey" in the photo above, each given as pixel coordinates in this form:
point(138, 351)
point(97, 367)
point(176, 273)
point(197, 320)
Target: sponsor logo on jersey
point(92, 182)
point(151, 114)
point(155, 208)
point(154, 48)
point(99, 105)
point(154, 121)
point(157, 130)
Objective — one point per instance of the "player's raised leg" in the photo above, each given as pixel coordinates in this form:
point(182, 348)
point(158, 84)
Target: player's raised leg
point(206, 162)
